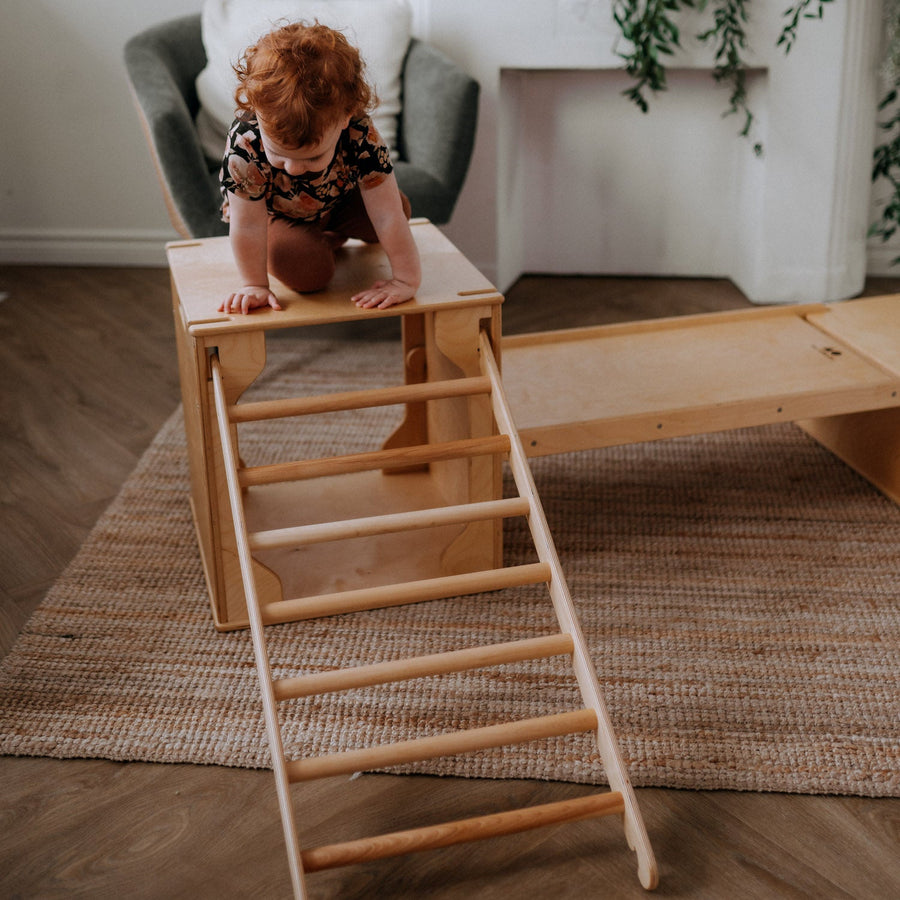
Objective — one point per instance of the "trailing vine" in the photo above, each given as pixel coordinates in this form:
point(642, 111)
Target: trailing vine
point(793, 14)
point(652, 33)
point(650, 29)
point(886, 163)
point(730, 39)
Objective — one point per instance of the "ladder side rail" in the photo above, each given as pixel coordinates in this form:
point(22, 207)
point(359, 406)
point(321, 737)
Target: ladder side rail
point(585, 672)
point(276, 746)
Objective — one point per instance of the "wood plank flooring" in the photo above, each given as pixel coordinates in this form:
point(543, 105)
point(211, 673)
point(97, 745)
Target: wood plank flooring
point(87, 376)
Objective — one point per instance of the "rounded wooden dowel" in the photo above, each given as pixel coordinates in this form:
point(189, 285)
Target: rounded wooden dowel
point(337, 402)
point(407, 592)
point(422, 666)
point(389, 523)
point(301, 469)
point(447, 834)
point(450, 744)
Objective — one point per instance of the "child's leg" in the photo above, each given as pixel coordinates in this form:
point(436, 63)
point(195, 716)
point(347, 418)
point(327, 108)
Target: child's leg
point(300, 256)
point(350, 219)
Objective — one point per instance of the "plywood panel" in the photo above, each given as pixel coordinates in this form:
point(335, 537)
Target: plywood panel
point(204, 272)
point(707, 373)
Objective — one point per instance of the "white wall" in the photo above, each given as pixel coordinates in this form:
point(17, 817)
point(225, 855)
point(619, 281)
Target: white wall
point(796, 229)
point(79, 185)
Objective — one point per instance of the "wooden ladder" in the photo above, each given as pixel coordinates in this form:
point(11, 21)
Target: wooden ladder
point(593, 716)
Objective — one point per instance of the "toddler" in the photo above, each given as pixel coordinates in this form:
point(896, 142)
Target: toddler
point(305, 169)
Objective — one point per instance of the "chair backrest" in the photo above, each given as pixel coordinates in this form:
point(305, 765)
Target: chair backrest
point(437, 126)
point(162, 64)
point(438, 122)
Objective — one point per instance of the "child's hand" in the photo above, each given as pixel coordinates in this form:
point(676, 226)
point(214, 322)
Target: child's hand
point(384, 294)
point(250, 296)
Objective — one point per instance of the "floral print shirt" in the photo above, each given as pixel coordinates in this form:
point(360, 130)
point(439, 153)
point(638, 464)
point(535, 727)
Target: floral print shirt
point(361, 159)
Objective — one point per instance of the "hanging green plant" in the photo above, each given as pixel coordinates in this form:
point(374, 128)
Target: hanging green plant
point(887, 166)
point(887, 154)
point(730, 39)
point(650, 28)
point(794, 13)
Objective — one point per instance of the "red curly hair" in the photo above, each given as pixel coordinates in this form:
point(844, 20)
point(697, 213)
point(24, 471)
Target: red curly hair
point(299, 80)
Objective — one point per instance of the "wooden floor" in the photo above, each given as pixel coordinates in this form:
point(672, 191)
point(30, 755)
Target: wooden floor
point(87, 376)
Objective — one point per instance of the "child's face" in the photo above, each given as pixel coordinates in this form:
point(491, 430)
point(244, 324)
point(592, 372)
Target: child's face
point(313, 157)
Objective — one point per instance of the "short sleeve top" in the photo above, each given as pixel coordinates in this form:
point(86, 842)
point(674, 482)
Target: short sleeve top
point(361, 159)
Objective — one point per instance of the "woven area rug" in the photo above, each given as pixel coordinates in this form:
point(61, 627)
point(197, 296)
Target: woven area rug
point(739, 594)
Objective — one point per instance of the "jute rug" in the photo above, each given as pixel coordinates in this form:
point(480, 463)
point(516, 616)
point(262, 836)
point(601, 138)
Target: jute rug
point(739, 593)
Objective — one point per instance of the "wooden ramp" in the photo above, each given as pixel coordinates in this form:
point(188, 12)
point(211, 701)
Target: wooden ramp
point(264, 612)
point(645, 381)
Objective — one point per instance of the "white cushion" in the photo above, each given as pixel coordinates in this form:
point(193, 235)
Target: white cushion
point(380, 29)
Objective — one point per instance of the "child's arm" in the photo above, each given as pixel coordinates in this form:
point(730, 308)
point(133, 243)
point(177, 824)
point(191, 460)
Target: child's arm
point(385, 210)
point(249, 224)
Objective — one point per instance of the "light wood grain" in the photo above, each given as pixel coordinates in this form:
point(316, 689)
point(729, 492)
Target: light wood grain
point(302, 535)
point(419, 667)
point(449, 833)
point(380, 596)
point(585, 672)
point(260, 653)
point(89, 375)
point(450, 744)
point(412, 393)
point(300, 469)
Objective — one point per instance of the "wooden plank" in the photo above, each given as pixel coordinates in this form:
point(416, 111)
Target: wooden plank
point(867, 442)
point(662, 323)
point(452, 349)
point(204, 272)
point(412, 555)
point(662, 424)
point(870, 326)
point(648, 383)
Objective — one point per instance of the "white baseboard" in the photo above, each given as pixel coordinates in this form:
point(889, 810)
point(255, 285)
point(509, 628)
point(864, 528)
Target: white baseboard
point(88, 247)
point(96, 247)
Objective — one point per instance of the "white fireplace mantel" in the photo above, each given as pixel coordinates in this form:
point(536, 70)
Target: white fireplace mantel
point(579, 181)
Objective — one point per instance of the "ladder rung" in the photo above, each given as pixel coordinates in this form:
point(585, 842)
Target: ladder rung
point(302, 535)
point(337, 402)
point(422, 666)
point(375, 459)
point(407, 592)
point(447, 834)
point(450, 744)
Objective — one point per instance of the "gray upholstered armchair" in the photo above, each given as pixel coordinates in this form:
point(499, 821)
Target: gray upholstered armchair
point(436, 128)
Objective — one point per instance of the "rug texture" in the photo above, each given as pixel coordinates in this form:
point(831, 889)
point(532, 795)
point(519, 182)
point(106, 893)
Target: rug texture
point(738, 592)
